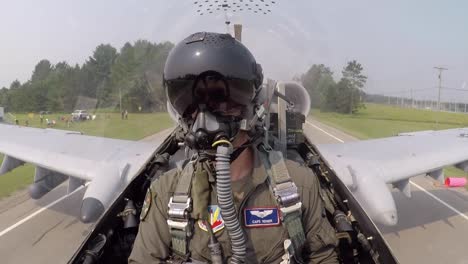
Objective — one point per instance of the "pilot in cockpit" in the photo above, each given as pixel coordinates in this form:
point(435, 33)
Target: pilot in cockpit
point(232, 200)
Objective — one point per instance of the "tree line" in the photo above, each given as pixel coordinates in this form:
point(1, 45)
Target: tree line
point(342, 96)
point(130, 78)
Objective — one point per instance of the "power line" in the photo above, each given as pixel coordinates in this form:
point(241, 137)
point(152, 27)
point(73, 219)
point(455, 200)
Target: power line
point(454, 89)
point(406, 91)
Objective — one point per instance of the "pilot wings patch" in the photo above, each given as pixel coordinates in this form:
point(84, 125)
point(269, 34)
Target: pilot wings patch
point(261, 217)
point(262, 214)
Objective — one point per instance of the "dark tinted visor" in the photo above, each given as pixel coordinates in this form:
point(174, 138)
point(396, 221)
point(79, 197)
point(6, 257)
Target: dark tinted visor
point(241, 91)
point(179, 93)
point(183, 94)
point(211, 89)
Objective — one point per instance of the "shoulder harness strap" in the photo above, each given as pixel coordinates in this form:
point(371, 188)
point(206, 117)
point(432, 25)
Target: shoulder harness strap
point(179, 207)
point(287, 197)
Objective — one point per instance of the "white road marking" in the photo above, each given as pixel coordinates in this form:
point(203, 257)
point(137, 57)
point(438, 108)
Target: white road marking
point(412, 183)
point(440, 201)
point(27, 218)
point(338, 139)
point(24, 220)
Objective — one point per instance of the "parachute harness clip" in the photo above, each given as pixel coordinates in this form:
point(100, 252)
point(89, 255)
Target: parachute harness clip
point(179, 208)
point(287, 197)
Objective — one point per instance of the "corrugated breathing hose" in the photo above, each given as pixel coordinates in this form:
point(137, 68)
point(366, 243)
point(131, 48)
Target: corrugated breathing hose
point(226, 203)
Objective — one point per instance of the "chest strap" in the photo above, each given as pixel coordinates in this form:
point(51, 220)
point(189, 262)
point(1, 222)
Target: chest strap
point(179, 208)
point(287, 198)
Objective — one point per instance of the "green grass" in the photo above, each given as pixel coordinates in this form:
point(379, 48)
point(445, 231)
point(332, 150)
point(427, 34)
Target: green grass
point(378, 121)
point(136, 127)
point(383, 121)
point(17, 179)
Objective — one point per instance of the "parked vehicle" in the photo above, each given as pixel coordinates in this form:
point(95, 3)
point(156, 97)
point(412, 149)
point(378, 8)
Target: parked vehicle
point(80, 115)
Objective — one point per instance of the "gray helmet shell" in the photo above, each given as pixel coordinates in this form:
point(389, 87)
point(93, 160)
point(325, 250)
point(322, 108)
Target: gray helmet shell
point(205, 52)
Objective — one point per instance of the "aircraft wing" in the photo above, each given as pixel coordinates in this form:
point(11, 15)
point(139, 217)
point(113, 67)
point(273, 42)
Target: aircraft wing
point(366, 167)
point(107, 164)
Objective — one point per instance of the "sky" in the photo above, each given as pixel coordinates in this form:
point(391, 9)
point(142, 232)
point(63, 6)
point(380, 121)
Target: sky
point(398, 42)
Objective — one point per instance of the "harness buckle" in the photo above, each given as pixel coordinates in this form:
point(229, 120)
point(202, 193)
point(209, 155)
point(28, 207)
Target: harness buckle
point(177, 225)
point(286, 193)
point(288, 198)
point(178, 215)
point(179, 210)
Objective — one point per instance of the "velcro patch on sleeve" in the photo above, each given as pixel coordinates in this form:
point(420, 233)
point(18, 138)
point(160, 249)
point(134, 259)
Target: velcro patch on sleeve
point(261, 217)
point(146, 205)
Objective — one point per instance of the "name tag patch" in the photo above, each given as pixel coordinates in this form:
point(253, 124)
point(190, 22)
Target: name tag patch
point(261, 217)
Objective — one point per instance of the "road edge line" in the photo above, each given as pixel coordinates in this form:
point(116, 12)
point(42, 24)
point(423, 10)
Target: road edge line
point(440, 200)
point(412, 183)
point(338, 139)
point(22, 221)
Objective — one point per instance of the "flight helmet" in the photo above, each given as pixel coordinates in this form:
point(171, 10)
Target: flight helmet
point(210, 56)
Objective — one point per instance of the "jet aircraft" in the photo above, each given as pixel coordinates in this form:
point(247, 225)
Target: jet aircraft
point(117, 173)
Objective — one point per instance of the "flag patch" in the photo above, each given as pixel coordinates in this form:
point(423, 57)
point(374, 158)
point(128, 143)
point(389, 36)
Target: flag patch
point(216, 220)
point(261, 217)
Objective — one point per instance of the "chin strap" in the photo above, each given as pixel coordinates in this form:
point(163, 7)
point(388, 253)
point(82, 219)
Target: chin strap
point(237, 152)
point(251, 142)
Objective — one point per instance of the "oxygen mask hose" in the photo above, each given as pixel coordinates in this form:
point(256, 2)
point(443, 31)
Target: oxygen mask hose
point(214, 246)
point(226, 202)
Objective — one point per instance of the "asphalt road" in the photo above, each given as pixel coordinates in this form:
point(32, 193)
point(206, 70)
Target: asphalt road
point(432, 225)
point(432, 228)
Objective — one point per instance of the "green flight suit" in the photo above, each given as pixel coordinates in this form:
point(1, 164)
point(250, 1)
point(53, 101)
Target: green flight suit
point(264, 244)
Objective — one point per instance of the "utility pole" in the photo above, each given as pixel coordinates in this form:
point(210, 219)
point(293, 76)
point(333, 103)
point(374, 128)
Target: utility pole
point(412, 99)
point(120, 98)
point(440, 69)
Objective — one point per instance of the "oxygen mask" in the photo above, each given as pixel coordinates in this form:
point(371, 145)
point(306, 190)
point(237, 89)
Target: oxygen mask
point(209, 127)
point(215, 116)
